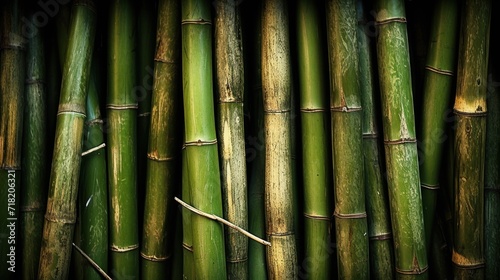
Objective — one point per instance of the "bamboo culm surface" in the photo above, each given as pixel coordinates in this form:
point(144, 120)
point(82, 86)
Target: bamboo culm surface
point(34, 155)
point(377, 201)
point(122, 120)
point(401, 160)
point(470, 137)
point(164, 151)
point(231, 133)
point(439, 84)
point(282, 262)
point(202, 154)
point(316, 153)
point(60, 216)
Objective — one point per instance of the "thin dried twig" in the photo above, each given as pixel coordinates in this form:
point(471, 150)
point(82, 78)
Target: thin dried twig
point(221, 220)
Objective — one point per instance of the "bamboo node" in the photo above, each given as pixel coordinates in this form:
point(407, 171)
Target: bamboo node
point(62, 220)
point(477, 113)
point(286, 233)
point(122, 106)
point(345, 109)
point(415, 271)
point(196, 21)
point(316, 217)
point(430, 187)
point(236, 260)
point(200, 142)
point(268, 111)
point(370, 135)
point(187, 247)
point(381, 237)
point(440, 71)
point(400, 141)
point(154, 157)
point(312, 110)
point(93, 149)
point(221, 220)
point(124, 249)
point(361, 215)
point(154, 258)
point(391, 20)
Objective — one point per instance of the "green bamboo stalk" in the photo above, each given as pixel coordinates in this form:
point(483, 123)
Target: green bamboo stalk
point(400, 141)
point(201, 139)
point(164, 146)
point(12, 80)
point(60, 216)
point(347, 143)
point(470, 109)
point(231, 132)
point(146, 31)
point(122, 118)
point(187, 230)
point(377, 204)
point(93, 184)
point(315, 138)
point(252, 25)
point(276, 86)
point(438, 86)
point(492, 166)
point(34, 157)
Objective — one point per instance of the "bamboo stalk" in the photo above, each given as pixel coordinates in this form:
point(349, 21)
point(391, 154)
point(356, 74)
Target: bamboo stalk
point(315, 138)
point(252, 27)
point(122, 118)
point(377, 204)
point(201, 139)
point(231, 132)
point(188, 268)
point(163, 156)
point(12, 83)
point(146, 39)
point(276, 86)
point(347, 141)
point(34, 156)
point(438, 86)
point(94, 188)
point(400, 141)
point(470, 108)
point(60, 215)
point(492, 166)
